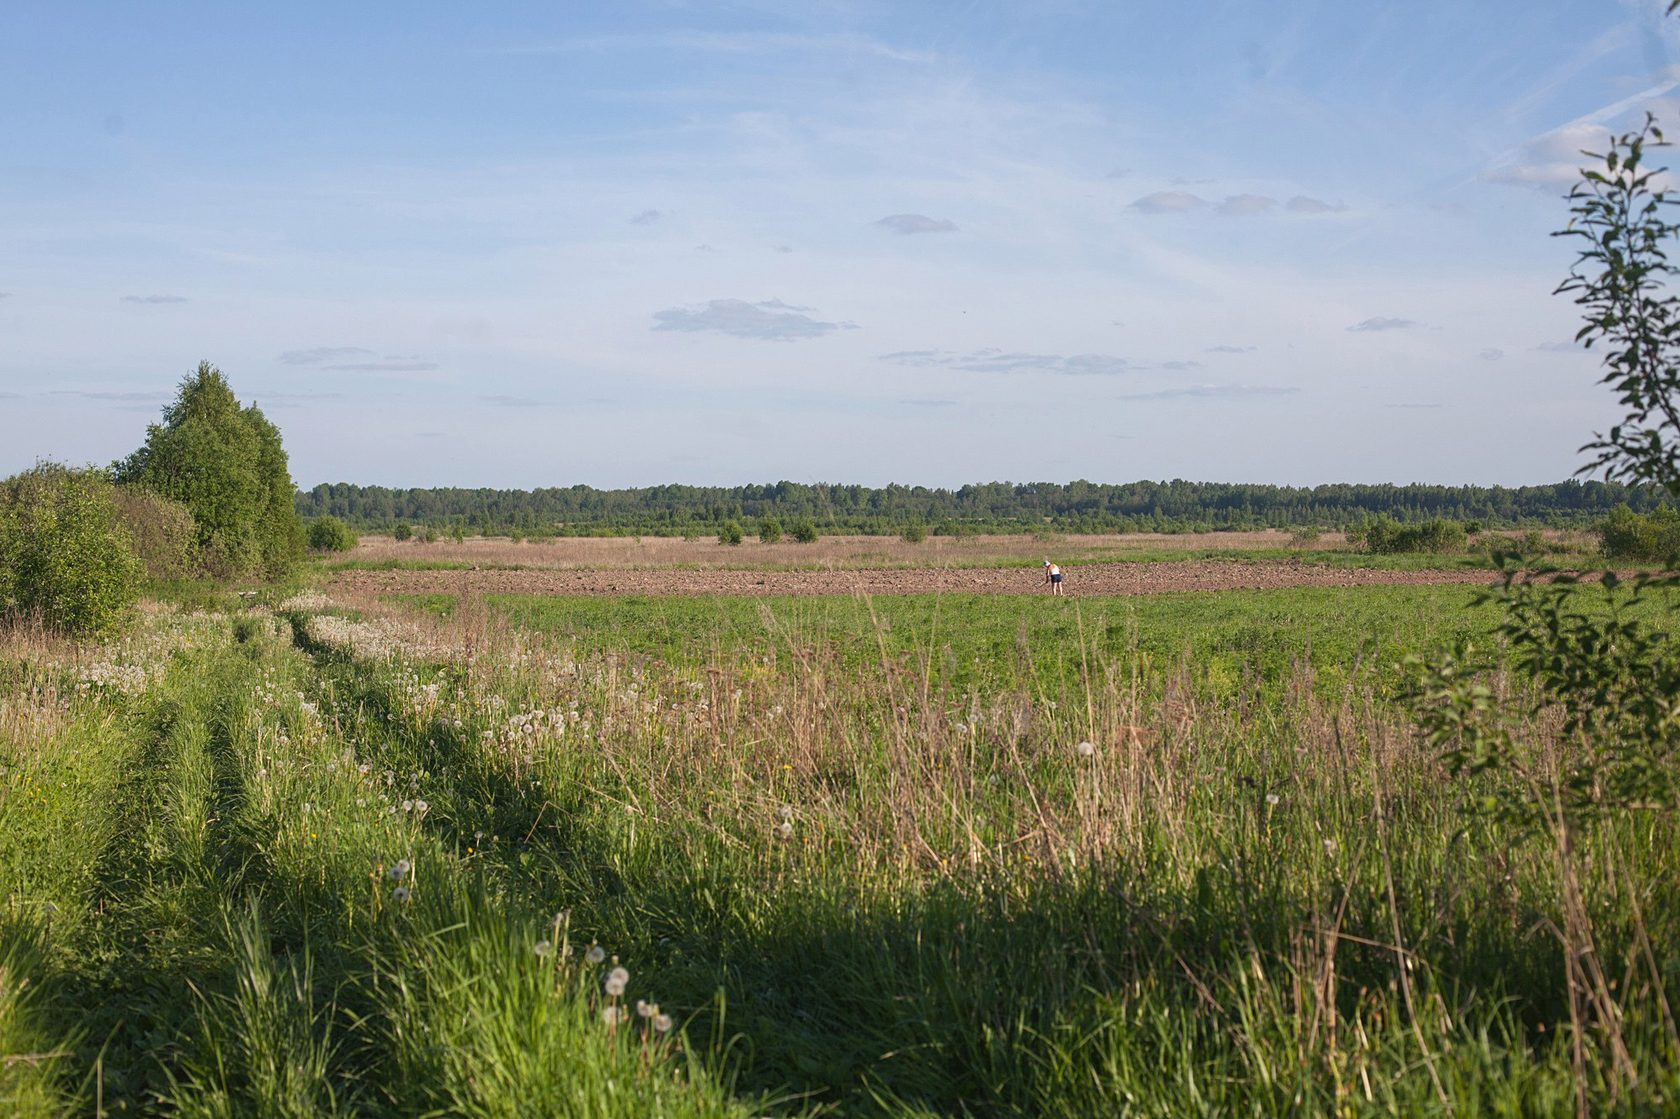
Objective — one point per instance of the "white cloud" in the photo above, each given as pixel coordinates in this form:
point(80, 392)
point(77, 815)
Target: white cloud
point(1004, 361)
point(1381, 323)
point(154, 299)
point(1491, 354)
point(646, 217)
point(771, 320)
point(1231, 349)
point(1245, 205)
point(321, 354)
point(1302, 204)
point(1168, 202)
point(916, 223)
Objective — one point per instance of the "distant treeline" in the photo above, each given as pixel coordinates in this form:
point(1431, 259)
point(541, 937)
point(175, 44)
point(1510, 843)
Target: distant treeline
point(992, 507)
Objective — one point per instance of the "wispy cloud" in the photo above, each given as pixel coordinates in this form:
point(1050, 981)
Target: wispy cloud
point(646, 217)
point(929, 403)
point(1005, 361)
point(1554, 159)
point(516, 402)
point(114, 397)
point(771, 320)
point(322, 354)
point(1180, 366)
point(1214, 392)
point(1424, 405)
point(5, 295)
point(1381, 322)
point(731, 42)
point(1247, 205)
point(906, 224)
point(392, 364)
point(1491, 354)
point(154, 299)
point(1302, 204)
point(1168, 202)
point(1231, 349)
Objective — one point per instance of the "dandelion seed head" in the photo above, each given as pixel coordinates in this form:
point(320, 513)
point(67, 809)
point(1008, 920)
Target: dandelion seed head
point(1087, 749)
point(399, 870)
point(662, 1023)
point(595, 954)
point(544, 949)
point(613, 1015)
point(399, 894)
point(1271, 800)
point(614, 986)
point(646, 1009)
point(785, 829)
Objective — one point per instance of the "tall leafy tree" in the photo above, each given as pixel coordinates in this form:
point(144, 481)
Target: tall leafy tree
point(226, 464)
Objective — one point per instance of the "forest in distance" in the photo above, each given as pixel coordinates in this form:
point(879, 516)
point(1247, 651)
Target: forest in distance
point(992, 507)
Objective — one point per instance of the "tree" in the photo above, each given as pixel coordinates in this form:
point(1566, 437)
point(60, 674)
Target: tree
point(226, 464)
point(769, 530)
point(65, 556)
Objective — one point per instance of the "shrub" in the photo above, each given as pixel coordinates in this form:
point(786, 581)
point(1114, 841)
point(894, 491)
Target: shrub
point(1384, 535)
point(329, 534)
point(65, 555)
point(804, 531)
point(1304, 537)
point(729, 532)
point(769, 530)
point(915, 532)
point(164, 536)
point(1651, 537)
point(401, 532)
point(427, 534)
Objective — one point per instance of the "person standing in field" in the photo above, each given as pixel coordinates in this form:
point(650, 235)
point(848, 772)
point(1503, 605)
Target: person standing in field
point(1053, 577)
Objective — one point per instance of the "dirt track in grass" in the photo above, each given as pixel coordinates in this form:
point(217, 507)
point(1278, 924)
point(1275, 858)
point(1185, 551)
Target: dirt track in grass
point(1088, 580)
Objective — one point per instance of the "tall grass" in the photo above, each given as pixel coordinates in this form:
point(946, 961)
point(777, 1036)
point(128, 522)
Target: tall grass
point(385, 864)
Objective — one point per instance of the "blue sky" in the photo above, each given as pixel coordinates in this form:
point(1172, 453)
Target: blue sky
point(523, 245)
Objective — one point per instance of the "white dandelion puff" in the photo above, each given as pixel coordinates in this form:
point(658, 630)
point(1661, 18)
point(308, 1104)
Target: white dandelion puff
point(1087, 749)
point(662, 1023)
point(399, 894)
point(544, 949)
point(595, 954)
point(399, 870)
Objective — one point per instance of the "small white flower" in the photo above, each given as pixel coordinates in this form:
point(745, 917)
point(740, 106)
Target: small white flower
point(1087, 749)
point(544, 949)
point(662, 1023)
point(785, 829)
point(421, 806)
point(408, 806)
point(1271, 800)
point(595, 954)
point(785, 812)
point(646, 1009)
point(399, 870)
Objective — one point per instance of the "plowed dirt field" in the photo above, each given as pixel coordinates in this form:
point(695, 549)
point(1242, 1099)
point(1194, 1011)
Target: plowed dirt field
point(1094, 579)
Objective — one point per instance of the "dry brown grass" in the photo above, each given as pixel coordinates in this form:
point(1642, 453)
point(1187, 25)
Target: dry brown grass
point(828, 552)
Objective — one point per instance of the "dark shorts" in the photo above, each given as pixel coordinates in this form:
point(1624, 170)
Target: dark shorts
point(1055, 578)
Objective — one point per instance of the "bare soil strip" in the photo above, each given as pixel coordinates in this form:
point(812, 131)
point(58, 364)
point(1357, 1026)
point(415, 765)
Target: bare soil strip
point(1094, 579)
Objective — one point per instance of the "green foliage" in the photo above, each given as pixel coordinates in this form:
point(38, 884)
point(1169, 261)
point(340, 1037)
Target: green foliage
point(401, 532)
point(226, 464)
point(1385, 536)
point(163, 533)
point(1620, 281)
point(915, 532)
point(769, 530)
point(1652, 537)
point(65, 555)
point(804, 531)
point(1602, 663)
point(329, 534)
point(729, 532)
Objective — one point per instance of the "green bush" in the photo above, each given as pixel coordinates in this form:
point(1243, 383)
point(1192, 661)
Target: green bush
point(915, 532)
point(401, 532)
point(769, 530)
point(164, 536)
point(1652, 537)
point(1384, 535)
point(329, 534)
point(225, 463)
point(804, 531)
point(729, 532)
point(65, 555)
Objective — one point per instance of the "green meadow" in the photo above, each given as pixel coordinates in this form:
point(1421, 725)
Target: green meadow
point(1160, 856)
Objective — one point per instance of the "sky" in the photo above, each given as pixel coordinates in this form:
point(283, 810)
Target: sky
point(544, 244)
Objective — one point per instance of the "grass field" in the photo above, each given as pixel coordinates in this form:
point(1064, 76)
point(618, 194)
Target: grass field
point(922, 856)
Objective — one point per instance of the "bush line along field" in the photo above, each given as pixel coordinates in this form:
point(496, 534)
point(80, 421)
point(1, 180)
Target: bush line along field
point(901, 858)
